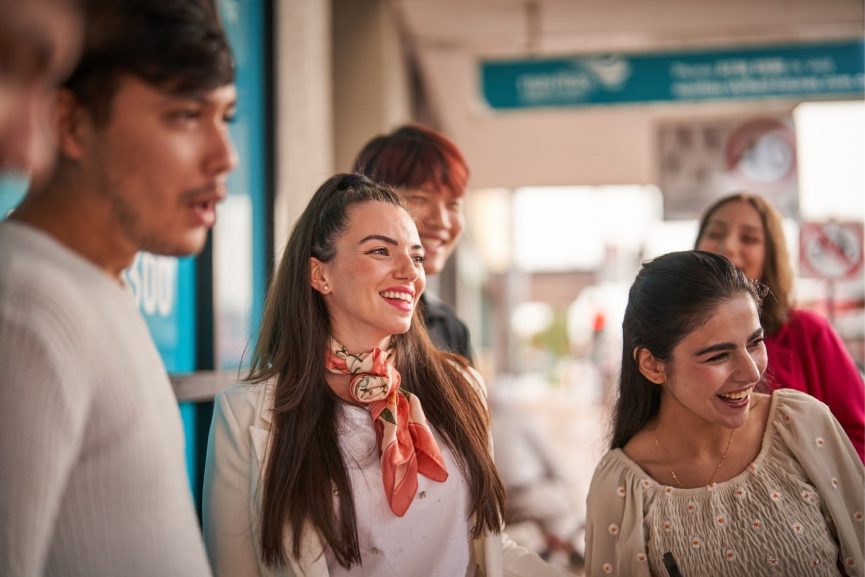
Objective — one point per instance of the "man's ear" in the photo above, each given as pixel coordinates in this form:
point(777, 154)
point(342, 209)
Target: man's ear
point(649, 366)
point(74, 125)
point(318, 276)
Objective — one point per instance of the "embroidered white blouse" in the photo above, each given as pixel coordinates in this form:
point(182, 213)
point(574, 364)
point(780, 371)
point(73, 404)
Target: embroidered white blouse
point(795, 510)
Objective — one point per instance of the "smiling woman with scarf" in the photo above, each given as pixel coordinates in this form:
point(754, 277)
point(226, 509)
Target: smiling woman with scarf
point(354, 447)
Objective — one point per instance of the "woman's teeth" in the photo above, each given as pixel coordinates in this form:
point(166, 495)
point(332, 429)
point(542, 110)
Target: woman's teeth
point(398, 295)
point(738, 396)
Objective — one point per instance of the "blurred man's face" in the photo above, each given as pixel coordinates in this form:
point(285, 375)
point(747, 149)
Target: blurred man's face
point(161, 164)
point(39, 44)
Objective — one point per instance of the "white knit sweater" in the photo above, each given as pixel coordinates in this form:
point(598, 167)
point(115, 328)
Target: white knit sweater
point(92, 474)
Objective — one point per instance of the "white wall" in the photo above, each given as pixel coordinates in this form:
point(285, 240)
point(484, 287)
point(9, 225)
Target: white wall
point(304, 116)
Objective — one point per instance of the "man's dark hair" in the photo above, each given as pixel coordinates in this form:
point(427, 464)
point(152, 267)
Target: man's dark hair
point(178, 46)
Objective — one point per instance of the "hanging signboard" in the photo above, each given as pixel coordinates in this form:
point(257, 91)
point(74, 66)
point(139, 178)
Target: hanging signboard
point(808, 71)
point(703, 159)
point(830, 250)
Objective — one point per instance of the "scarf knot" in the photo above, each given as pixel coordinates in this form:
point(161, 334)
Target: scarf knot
point(405, 441)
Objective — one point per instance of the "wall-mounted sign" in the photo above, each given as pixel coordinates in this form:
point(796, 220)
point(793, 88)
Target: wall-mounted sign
point(830, 250)
point(164, 290)
point(701, 160)
point(12, 189)
point(809, 71)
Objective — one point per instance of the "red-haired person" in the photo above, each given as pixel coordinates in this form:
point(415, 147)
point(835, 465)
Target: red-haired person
point(805, 353)
point(430, 174)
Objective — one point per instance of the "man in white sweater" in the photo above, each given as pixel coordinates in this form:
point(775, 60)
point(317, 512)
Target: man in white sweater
point(92, 473)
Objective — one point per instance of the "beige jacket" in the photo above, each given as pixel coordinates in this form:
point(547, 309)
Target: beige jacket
point(236, 453)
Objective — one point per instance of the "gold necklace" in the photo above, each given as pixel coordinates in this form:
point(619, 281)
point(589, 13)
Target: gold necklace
point(669, 466)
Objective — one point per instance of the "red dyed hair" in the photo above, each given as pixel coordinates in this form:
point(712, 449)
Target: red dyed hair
point(414, 156)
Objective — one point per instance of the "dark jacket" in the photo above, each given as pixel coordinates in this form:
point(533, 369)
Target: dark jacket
point(446, 330)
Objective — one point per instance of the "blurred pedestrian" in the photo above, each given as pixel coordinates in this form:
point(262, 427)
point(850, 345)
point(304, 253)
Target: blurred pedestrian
point(540, 491)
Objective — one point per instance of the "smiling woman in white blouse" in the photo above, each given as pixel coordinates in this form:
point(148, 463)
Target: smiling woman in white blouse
point(705, 476)
point(355, 447)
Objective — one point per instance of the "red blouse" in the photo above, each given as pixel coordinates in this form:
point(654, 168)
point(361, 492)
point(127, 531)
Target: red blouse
point(807, 354)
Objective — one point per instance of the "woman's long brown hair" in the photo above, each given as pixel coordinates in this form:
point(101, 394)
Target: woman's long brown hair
point(305, 482)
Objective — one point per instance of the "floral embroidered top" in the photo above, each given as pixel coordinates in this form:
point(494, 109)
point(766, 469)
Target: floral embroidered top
point(795, 510)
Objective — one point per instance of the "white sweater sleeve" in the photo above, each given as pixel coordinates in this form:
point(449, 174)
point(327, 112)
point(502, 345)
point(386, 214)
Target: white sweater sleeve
point(42, 421)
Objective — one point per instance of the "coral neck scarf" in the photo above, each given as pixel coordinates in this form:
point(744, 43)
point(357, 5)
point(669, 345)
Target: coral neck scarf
point(404, 438)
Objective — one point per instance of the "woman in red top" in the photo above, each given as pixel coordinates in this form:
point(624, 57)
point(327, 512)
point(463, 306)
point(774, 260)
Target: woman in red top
point(805, 353)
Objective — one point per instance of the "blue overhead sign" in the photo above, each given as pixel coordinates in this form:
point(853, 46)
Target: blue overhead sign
point(829, 70)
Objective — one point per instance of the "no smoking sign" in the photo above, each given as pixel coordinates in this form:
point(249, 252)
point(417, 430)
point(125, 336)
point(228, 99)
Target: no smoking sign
point(830, 250)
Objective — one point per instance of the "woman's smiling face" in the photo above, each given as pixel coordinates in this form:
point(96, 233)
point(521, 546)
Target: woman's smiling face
point(372, 284)
point(714, 369)
point(735, 230)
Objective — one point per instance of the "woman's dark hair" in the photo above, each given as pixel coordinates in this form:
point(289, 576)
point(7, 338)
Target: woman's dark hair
point(305, 464)
point(414, 156)
point(672, 296)
point(777, 273)
point(178, 46)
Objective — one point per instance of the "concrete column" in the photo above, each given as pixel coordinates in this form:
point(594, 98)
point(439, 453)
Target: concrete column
point(304, 113)
point(370, 76)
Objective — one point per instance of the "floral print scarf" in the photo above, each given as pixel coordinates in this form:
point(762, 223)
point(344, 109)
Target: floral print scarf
point(404, 437)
